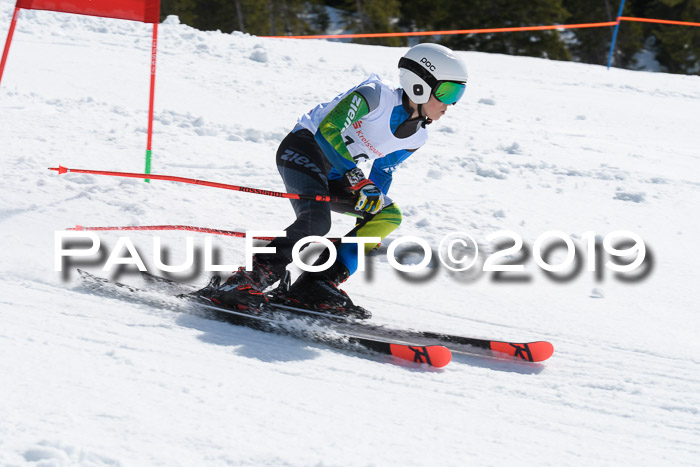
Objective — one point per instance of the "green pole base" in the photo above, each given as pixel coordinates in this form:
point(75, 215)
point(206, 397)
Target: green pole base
point(148, 165)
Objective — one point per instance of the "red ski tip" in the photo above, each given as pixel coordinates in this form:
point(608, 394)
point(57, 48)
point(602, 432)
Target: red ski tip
point(530, 352)
point(60, 169)
point(434, 355)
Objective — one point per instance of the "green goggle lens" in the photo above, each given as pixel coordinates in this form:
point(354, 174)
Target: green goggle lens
point(449, 92)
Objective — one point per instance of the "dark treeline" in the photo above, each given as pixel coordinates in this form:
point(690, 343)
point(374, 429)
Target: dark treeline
point(676, 48)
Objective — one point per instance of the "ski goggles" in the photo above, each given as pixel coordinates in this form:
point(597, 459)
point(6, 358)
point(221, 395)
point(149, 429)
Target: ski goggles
point(449, 92)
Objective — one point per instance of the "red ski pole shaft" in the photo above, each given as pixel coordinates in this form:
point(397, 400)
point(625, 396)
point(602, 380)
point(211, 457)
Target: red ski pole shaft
point(329, 199)
point(190, 228)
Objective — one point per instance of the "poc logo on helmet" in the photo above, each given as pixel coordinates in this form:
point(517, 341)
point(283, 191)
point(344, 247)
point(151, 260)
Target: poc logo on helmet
point(427, 64)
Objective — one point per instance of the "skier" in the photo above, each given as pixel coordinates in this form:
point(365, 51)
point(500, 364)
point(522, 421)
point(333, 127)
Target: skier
point(372, 121)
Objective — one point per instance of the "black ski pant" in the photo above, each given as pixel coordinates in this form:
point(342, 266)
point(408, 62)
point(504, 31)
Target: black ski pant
point(304, 169)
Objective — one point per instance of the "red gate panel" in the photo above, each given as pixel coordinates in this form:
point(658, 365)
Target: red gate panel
point(146, 11)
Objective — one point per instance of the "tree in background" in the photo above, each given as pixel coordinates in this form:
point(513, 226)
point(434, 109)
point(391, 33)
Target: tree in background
point(677, 48)
point(592, 45)
point(423, 16)
point(476, 14)
point(371, 16)
point(184, 9)
point(262, 18)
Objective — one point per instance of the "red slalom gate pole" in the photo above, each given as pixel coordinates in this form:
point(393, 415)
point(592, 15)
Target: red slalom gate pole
point(8, 41)
point(328, 199)
point(149, 138)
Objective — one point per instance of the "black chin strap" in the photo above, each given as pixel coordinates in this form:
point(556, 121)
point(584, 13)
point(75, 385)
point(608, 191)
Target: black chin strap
point(424, 119)
point(407, 107)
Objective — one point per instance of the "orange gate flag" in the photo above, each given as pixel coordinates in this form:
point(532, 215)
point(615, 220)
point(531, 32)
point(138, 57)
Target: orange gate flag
point(146, 11)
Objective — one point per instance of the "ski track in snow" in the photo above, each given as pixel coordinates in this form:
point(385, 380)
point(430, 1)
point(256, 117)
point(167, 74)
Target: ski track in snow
point(536, 145)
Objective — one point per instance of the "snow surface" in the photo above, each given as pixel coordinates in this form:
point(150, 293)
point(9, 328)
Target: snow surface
point(535, 145)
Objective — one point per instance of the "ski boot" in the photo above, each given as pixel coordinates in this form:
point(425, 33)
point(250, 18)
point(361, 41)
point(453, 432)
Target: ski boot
point(318, 291)
point(244, 289)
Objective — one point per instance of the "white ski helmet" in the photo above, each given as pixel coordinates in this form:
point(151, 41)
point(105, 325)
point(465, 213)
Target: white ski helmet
point(425, 67)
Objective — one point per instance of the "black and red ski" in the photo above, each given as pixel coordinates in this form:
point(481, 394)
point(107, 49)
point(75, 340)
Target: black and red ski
point(270, 320)
point(537, 351)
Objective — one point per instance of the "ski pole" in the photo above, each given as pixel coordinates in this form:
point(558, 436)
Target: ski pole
point(328, 199)
point(190, 228)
